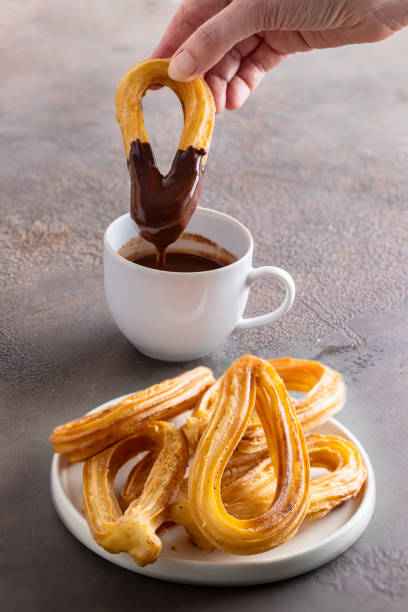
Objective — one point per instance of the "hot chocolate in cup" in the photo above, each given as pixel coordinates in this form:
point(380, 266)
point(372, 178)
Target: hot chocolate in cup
point(190, 253)
point(179, 316)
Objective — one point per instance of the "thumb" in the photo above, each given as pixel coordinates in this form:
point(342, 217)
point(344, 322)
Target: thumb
point(211, 41)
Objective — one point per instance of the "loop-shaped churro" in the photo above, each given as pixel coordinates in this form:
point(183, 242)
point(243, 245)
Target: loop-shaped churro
point(134, 531)
point(195, 97)
point(248, 381)
point(81, 439)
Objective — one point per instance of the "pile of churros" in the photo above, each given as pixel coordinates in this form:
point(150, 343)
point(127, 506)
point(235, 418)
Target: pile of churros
point(236, 475)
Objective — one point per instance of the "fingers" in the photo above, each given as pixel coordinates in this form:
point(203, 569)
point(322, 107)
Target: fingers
point(190, 16)
point(251, 72)
point(240, 71)
point(213, 39)
point(219, 37)
point(220, 76)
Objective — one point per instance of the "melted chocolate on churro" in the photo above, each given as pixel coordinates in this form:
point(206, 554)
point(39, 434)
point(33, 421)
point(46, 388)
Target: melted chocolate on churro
point(162, 205)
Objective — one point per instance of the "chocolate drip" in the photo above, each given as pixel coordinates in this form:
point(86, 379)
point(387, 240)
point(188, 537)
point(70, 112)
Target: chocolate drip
point(162, 205)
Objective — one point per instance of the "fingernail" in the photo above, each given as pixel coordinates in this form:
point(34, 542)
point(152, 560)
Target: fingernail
point(182, 67)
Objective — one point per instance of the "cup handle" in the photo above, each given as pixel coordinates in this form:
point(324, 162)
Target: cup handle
point(289, 284)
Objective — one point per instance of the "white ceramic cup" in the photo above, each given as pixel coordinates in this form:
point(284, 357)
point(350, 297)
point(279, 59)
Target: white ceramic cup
point(178, 316)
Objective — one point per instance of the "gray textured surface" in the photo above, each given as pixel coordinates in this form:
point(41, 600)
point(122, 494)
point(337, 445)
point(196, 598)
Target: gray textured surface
point(315, 165)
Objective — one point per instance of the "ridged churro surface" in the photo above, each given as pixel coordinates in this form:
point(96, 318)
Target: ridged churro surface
point(81, 439)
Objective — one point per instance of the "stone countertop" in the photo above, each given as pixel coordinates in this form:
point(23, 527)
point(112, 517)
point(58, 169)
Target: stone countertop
point(315, 165)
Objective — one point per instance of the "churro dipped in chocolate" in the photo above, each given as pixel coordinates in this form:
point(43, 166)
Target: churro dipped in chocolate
point(161, 205)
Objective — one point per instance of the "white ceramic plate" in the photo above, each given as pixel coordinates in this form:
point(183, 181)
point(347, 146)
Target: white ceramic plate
point(316, 542)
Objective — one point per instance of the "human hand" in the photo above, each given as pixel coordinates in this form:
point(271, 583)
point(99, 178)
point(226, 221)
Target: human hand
point(234, 43)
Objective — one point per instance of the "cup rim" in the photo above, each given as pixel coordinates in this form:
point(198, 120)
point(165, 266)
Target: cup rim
point(202, 209)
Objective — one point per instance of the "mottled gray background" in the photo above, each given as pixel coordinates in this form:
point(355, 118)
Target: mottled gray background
point(315, 165)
